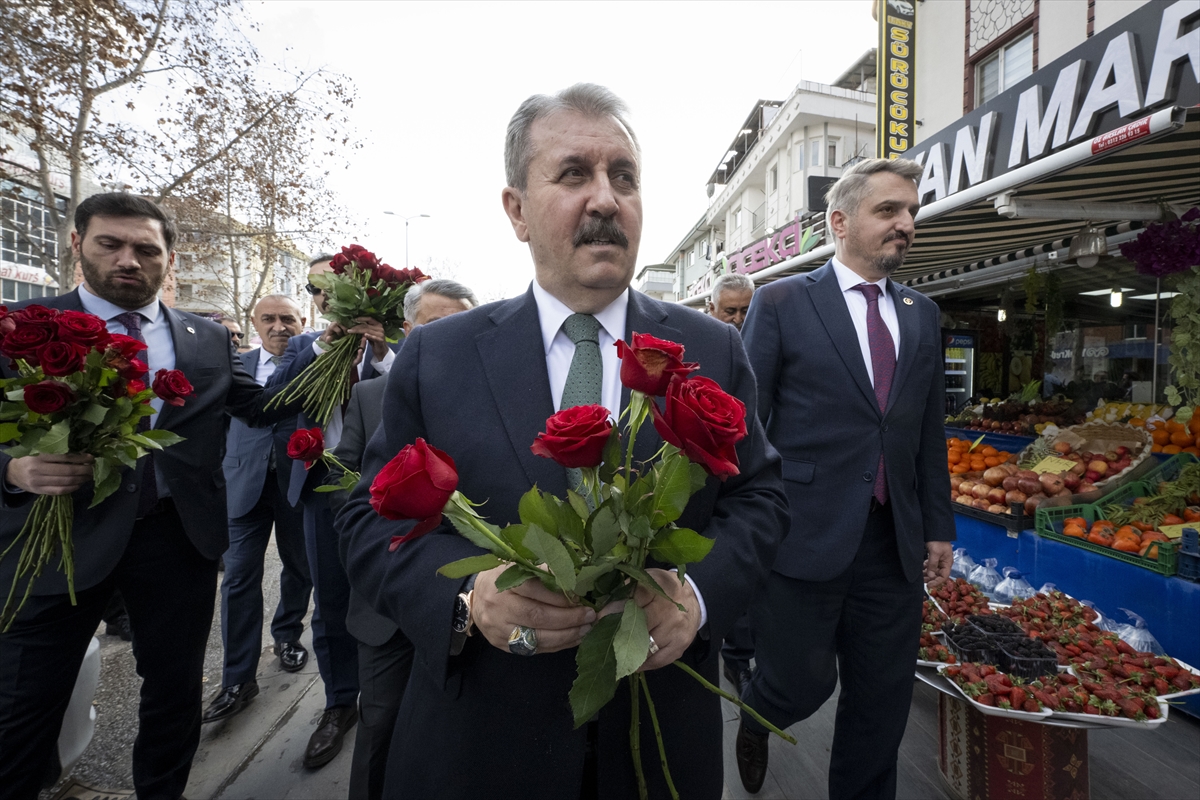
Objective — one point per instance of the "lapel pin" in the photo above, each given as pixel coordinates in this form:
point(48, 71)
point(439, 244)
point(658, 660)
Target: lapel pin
point(907, 301)
point(193, 330)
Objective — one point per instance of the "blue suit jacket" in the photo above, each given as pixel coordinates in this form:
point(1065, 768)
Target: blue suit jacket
point(248, 453)
point(818, 405)
point(475, 385)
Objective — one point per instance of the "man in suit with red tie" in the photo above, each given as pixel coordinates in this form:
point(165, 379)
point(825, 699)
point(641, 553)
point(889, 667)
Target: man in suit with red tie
point(851, 391)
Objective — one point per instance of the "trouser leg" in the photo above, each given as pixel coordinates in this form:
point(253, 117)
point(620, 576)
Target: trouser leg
point(738, 647)
point(295, 583)
point(242, 595)
point(383, 672)
point(336, 650)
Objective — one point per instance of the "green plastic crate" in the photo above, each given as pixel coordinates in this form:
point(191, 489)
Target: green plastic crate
point(1125, 495)
point(1168, 470)
point(1049, 525)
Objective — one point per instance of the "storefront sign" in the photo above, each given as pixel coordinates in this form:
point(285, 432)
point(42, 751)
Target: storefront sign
point(1148, 60)
point(778, 247)
point(953, 340)
point(896, 61)
point(36, 275)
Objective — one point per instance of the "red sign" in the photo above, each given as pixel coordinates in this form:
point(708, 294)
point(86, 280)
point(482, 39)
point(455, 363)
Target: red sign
point(1121, 136)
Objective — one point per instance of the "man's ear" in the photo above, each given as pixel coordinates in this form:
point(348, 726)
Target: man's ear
point(407, 326)
point(837, 223)
point(76, 243)
point(514, 207)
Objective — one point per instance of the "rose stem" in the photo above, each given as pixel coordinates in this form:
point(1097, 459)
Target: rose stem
point(787, 737)
point(635, 741)
point(662, 752)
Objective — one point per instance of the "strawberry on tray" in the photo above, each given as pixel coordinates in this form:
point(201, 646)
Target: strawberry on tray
point(1158, 676)
point(1103, 702)
point(958, 598)
point(995, 693)
point(931, 651)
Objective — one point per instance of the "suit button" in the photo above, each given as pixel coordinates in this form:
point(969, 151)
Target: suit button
point(266, 456)
point(868, 477)
point(131, 487)
point(885, 428)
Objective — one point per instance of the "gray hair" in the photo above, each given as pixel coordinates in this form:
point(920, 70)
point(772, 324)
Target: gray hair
point(312, 262)
point(734, 282)
point(443, 287)
point(588, 99)
point(847, 194)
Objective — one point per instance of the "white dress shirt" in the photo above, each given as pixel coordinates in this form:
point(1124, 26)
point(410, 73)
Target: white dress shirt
point(856, 302)
point(266, 367)
point(560, 350)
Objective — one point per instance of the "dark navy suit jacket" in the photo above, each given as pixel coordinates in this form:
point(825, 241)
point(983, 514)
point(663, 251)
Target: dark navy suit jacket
point(819, 408)
point(484, 722)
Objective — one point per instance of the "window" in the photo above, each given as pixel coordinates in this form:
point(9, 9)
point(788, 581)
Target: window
point(773, 179)
point(737, 218)
point(8, 291)
point(831, 157)
point(798, 157)
point(28, 234)
point(185, 291)
point(1004, 69)
point(814, 147)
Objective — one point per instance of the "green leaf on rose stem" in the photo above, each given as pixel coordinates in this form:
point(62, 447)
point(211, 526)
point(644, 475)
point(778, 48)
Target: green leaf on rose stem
point(107, 480)
point(471, 534)
point(644, 578)
point(512, 577)
point(680, 546)
point(570, 526)
point(9, 431)
point(163, 438)
point(552, 552)
point(144, 441)
point(632, 641)
point(618, 483)
point(469, 566)
point(673, 487)
point(585, 581)
point(534, 509)
point(639, 528)
point(95, 413)
point(16, 395)
point(639, 498)
point(56, 439)
point(515, 536)
point(698, 475)
point(327, 487)
point(605, 528)
point(578, 504)
point(127, 455)
point(612, 457)
point(596, 667)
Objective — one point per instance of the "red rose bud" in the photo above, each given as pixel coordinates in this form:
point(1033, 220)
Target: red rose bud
point(704, 422)
point(307, 445)
point(124, 346)
point(134, 387)
point(48, 396)
point(26, 339)
point(83, 329)
point(171, 386)
point(131, 369)
point(575, 437)
point(649, 363)
point(62, 358)
point(416, 484)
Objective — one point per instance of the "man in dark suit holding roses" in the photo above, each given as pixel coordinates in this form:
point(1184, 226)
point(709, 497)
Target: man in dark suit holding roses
point(155, 539)
point(478, 718)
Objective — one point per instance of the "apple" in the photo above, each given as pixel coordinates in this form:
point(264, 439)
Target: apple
point(1071, 481)
point(1010, 483)
point(1123, 450)
point(1111, 456)
point(1091, 477)
point(1097, 466)
point(996, 495)
point(1015, 496)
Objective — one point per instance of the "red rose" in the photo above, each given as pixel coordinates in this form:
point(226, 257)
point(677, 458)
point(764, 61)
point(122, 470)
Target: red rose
point(357, 254)
point(124, 346)
point(132, 369)
point(77, 327)
point(416, 484)
point(35, 313)
point(48, 396)
point(649, 363)
point(171, 386)
point(134, 387)
point(704, 422)
point(26, 339)
point(62, 358)
point(307, 445)
point(575, 437)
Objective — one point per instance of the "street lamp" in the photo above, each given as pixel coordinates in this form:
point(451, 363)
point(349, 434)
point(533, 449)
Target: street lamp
point(406, 219)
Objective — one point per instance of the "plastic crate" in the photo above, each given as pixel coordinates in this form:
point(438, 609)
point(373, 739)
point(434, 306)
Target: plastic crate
point(1126, 494)
point(1190, 542)
point(1049, 525)
point(1027, 667)
point(1008, 627)
point(1189, 566)
point(1167, 471)
point(984, 655)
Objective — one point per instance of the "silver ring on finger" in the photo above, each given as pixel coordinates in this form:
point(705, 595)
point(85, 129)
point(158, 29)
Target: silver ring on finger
point(522, 641)
point(653, 646)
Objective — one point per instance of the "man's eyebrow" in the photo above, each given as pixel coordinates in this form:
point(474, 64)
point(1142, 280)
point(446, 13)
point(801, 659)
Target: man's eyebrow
point(624, 163)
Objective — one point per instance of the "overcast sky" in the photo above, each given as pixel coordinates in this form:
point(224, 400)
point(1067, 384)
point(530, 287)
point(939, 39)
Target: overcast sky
point(437, 83)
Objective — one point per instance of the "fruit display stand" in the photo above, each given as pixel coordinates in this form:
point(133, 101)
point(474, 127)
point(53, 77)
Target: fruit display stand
point(1000, 441)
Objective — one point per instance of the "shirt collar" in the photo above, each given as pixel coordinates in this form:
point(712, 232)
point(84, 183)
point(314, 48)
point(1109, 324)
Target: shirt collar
point(848, 278)
point(552, 313)
point(105, 310)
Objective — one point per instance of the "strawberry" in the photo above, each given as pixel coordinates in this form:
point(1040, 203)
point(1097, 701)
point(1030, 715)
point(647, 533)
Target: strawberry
point(1152, 711)
point(1047, 699)
point(1167, 671)
point(1161, 687)
point(1032, 706)
point(986, 699)
point(1124, 647)
point(1017, 696)
point(1132, 708)
point(1182, 682)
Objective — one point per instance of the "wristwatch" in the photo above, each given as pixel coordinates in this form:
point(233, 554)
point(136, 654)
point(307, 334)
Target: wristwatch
point(460, 623)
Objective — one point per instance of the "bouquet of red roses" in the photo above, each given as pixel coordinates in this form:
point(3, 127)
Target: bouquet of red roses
point(593, 545)
point(78, 389)
point(358, 285)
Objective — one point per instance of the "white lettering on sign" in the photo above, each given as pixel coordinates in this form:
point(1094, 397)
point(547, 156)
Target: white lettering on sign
point(1095, 352)
point(1031, 122)
point(1125, 91)
point(1172, 47)
point(969, 154)
point(933, 179)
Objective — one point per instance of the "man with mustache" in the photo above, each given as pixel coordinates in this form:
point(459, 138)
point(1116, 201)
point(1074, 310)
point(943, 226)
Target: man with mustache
point(481, 717)
point(851, 390)
point(257, 469)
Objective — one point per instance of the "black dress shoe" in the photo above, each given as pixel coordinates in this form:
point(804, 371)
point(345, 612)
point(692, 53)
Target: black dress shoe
point(740, 678)
point(230, 701)
point(326, 741)
point(119, 626)
point(751, 749)
point(292, 656)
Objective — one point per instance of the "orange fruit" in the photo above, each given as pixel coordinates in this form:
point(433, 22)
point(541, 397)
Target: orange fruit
point(954, 456)
point(1182, 438)
point(1171, 449)
point(1137, 422)
point(959, 469)
point(1193, 450)
point(1175, 427)
point(1156, 448)
point(1194, 423)
point(1161, 436)
point(988, 450)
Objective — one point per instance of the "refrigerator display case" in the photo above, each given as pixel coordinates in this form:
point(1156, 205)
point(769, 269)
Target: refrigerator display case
point(960, 368)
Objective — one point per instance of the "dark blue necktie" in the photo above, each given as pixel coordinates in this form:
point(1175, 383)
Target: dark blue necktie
point(132, 321)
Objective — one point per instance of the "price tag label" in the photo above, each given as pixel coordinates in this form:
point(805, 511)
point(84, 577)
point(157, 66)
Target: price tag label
point(1176, 531)
point(1053, 464)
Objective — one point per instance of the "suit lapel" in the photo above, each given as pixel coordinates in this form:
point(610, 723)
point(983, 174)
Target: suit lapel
point(645, 316)
point(514, 362)
point(910, 339)
point(183, 338)
point(831, 308)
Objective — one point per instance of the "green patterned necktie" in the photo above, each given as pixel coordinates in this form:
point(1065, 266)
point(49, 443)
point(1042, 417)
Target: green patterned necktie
point(274, 460)
point(585, 379)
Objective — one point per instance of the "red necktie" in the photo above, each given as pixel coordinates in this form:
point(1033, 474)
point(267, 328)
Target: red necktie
point(883, 367)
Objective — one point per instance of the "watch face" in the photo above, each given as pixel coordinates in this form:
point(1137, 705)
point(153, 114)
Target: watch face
point(461, 614)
